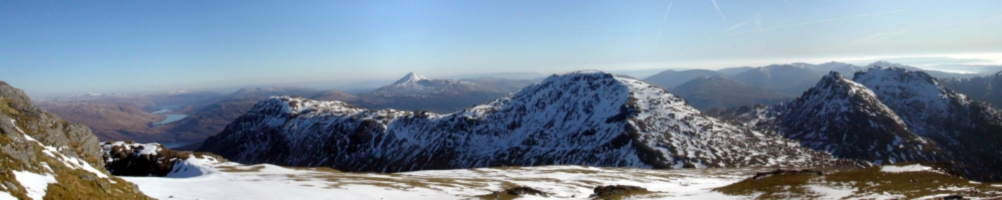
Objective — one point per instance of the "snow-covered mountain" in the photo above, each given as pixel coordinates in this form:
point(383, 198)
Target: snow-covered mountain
point(888, 115)
point(416, 92)
point(847, 119)
point(584, 118)
point(971, 131)
point(417, 85)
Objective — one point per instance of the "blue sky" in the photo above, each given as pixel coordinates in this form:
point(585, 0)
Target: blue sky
point(63, 47)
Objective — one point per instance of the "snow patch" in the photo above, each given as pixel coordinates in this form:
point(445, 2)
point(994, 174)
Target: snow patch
point(7, 196)
point(906, 168)
point(193, 167)
point(35, 184)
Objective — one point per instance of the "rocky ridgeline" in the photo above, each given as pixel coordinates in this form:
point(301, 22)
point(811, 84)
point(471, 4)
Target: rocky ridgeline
point(581, 118)
point(46, 157)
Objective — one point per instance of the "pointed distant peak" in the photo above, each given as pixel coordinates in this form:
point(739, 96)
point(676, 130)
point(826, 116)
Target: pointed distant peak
point(410, 78)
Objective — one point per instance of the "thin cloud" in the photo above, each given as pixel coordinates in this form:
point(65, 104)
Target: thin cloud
point(663, 19)
point(823, 21)
point(718, 10)
point(874, 14)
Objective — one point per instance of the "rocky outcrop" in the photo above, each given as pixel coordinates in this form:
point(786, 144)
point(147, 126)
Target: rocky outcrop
point(618, 191)
point(36, 145)
point(127, 158)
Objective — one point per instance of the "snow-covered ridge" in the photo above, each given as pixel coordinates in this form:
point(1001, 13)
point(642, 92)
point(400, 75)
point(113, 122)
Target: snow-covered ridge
point(586, 117)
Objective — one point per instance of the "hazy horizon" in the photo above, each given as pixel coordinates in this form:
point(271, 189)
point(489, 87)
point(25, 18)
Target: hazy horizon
point(62, 48)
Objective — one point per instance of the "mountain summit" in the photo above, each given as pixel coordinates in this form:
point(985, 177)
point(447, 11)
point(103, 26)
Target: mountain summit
point(417, 85)
point(410, 78)
point(580, 118)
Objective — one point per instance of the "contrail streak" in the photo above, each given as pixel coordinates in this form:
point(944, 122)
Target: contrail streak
point(718, 10)
point(736, 26)
point(658, 39)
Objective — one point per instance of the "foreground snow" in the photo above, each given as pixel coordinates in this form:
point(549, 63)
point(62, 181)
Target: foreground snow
point(207, 178)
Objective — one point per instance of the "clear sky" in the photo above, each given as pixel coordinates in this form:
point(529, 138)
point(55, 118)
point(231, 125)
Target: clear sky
point(61, 47)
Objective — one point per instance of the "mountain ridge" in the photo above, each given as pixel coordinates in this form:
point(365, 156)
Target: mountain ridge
point(585, 117)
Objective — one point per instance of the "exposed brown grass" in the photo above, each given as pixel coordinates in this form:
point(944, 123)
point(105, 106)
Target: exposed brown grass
point(863, 182)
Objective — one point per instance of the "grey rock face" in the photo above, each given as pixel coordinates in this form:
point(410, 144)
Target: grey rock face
point(50, 129)
point(34, 141)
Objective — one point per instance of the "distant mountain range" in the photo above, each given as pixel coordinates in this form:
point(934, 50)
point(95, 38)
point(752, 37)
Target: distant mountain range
point(789, 80)
point(982, 88)
point(128, 116)
point(710, 92)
